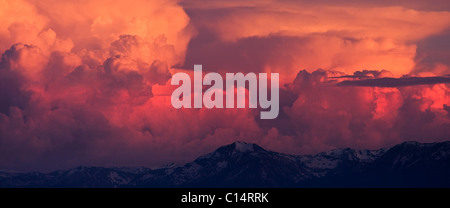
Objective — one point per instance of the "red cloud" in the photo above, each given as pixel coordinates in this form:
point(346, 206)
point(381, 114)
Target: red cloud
point(86, 84)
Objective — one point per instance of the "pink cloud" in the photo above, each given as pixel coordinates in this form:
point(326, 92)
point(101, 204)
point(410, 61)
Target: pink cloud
point(87, 84)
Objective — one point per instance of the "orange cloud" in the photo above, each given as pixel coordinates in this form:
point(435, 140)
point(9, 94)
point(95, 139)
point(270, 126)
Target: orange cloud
point(344, 38)
point(85, 82)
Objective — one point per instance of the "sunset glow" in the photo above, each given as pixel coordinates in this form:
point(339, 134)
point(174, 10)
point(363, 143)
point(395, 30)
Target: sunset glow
point(89, 82)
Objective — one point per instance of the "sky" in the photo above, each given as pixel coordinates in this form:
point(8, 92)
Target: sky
point(88, 82)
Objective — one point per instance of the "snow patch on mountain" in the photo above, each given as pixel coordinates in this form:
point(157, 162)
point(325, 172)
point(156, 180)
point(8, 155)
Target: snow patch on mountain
point(369, 155)
point(320, 162)
point(243, 147)
point(117, 179)
point(221, 165)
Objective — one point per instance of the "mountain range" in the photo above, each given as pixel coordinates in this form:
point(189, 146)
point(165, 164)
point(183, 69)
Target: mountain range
point(409, 164)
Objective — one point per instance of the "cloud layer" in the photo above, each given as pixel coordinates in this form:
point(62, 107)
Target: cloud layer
point(88, 83)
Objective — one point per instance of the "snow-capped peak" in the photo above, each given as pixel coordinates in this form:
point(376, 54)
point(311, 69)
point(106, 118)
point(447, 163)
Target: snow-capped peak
point(243, 147)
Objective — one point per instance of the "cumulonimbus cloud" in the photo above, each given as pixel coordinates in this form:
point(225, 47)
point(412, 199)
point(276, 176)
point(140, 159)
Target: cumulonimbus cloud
point(86, 83)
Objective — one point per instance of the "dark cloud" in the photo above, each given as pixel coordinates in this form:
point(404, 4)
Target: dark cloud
point(447, 108)
point(11, 91)
point(12, 80)
point(366, 74)
point(433, 54)
point(396, 82)
point(250, 54)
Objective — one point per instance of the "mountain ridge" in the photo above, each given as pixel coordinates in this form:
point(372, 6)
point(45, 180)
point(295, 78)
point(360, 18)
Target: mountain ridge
point(240, 164)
